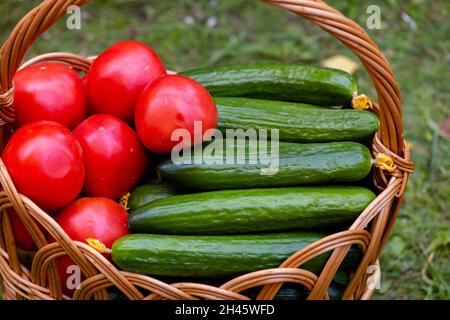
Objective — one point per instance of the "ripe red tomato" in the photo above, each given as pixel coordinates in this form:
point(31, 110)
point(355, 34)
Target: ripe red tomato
point(49, 91)
point(45, 163)
point(118, 76)
point(97, 218)
point(84, 83)
point(169, 103)
point(114, 158)
point(22, 237)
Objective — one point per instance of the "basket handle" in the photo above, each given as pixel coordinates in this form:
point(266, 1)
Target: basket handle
point(388, 140)
point(358, 41)
point(348, 32)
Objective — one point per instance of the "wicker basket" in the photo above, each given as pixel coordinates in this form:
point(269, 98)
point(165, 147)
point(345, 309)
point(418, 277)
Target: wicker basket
point(369, 231)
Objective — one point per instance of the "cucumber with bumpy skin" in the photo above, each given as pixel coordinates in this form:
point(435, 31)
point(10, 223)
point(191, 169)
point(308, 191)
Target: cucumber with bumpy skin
point(294, 164)
point(296, 83)
point(296, 122)
point(215, 256)
point(150, 192)
point(252, 210)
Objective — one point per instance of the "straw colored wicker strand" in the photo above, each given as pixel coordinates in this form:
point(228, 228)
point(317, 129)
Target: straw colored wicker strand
point(369, 231)
point(76, 62)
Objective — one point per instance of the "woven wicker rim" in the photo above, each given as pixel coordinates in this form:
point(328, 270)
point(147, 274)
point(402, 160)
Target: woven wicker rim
point(369, 231)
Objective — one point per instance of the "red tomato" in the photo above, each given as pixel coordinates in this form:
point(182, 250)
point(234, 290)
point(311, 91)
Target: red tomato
point(97, 218)
point(45, 163)
point(118, 76)
point(114, 158)
point(22, 237)
point(84, 83)
point(49, 91)
point(169, 103)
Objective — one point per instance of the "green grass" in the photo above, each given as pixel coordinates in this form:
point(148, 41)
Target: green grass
point(415, 261)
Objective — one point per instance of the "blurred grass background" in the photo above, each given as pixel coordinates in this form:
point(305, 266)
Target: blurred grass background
point(415, 37)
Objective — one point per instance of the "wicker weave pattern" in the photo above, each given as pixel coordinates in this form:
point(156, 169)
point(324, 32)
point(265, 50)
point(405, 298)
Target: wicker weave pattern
point(41, 282)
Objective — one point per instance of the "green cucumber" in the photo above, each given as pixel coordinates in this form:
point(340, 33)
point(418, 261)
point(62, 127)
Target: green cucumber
point(215, 256)
point(150, 192)
point(296, 122)
point(289, 291)
point(340, 279)
point(297, 164)
point(296, 83)
point(300, 293)
point(292, 291)
point(252, 210)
